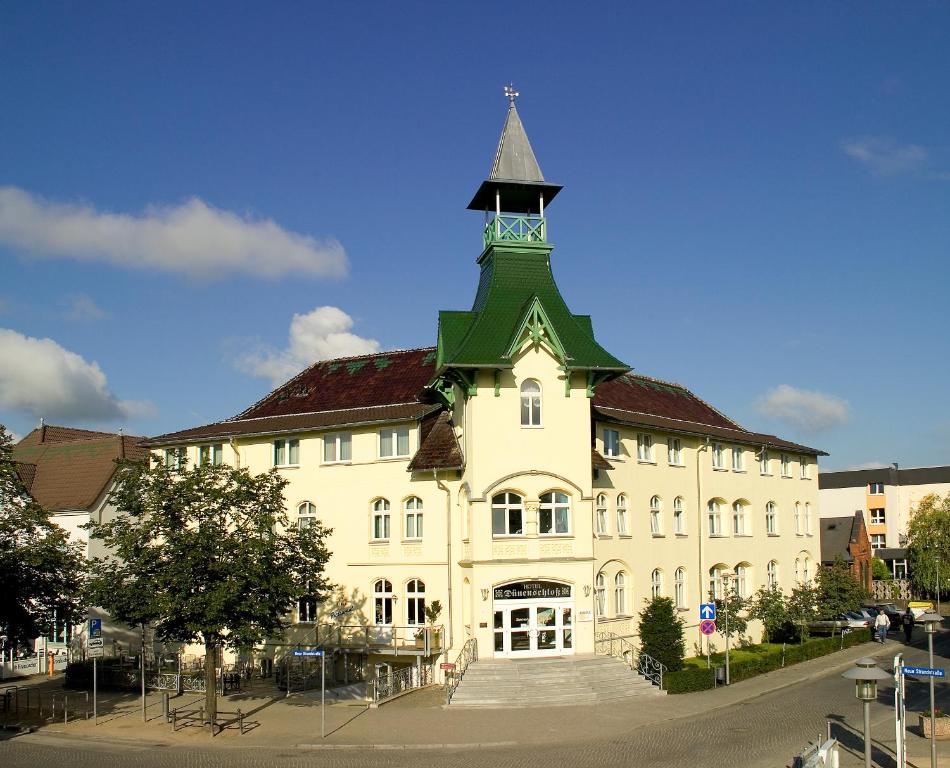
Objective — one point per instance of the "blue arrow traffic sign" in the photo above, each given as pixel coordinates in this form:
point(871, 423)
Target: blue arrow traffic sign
point(923, 671)
point(307, 652)
point(707, 611)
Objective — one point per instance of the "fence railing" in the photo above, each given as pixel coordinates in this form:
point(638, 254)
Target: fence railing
point(390, 684)
point(397, 639)
point(507, 227)
point(468, 654)
point(610, 644)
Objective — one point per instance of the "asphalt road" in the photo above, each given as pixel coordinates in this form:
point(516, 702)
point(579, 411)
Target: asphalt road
point(763, 732)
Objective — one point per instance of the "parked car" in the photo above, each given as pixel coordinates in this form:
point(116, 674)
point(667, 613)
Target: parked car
point(854, 620)
point(890, 610)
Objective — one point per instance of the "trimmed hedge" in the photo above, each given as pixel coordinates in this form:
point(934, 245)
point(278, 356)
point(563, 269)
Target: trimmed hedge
point(693, 678)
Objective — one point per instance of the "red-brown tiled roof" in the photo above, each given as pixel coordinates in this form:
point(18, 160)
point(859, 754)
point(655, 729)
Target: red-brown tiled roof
point(72, 468)
point(26, 473)
point(439, 447)
point(640, 394)
point(598, 461)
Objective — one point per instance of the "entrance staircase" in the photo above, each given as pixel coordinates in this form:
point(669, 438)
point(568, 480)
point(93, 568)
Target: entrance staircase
point(561, 681)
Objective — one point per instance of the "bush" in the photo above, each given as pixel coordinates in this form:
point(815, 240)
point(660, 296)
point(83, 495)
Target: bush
point(689, 679)
point(661, 633)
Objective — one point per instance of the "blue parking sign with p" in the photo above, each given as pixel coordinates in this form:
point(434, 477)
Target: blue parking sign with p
point(95, 628)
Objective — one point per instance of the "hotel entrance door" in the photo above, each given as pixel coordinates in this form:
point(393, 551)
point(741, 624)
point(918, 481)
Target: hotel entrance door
point(525, 625)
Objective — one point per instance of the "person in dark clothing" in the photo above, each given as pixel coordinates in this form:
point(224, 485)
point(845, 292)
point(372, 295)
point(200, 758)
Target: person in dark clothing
point(907, 622)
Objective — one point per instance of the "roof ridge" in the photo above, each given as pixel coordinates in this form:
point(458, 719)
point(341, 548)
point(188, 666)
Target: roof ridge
point(235, 419)
point(686, 421)
point(690, 392)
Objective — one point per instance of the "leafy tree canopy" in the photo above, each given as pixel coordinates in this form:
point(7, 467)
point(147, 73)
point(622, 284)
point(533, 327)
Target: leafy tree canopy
point(661, 633)
point(802, 606)
point(40, 569)
point(207, 553)
point(928, 543)
point(838, 590)
point(732, 604)
point(769, 606)
point(879, 570)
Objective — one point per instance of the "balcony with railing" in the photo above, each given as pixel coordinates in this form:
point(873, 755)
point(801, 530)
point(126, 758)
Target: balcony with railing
point(507, 227)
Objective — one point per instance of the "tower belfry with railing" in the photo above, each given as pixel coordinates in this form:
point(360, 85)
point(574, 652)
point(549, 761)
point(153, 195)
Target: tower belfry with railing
point(515, 193)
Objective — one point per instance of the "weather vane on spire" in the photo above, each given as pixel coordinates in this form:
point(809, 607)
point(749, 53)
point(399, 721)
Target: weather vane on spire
point(511, 93)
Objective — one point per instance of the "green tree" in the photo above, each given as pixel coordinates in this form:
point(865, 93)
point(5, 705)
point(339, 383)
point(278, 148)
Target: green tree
point(207, 554)
point(928, 543)
point(769, 606)
point(40, 569)
point(732, 603)
point(661, 633)
point(879, 570)
point(837, 589)
point(802, 605)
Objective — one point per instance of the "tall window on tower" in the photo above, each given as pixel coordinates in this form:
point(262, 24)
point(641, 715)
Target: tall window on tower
point(530, 404)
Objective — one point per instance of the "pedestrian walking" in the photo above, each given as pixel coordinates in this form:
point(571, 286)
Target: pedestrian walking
point(907, 622)
point(881, 625)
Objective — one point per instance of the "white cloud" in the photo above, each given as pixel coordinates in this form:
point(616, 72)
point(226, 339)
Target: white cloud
point(804, 409)
point(41, 378)
point(193, 238)
point(84, 308)
point(884, 156)
point(321, 334)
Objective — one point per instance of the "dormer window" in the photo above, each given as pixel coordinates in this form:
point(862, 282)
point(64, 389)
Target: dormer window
point(530, 404)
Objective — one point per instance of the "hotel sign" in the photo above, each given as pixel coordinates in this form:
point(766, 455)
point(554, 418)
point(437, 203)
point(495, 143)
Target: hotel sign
point(530, 590)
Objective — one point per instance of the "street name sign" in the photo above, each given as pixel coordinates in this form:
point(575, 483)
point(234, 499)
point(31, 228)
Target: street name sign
point(707, 611)
point(923, 671)
point(707, 626)
point(307, 652)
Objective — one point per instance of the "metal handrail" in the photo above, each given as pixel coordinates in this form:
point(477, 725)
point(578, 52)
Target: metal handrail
point(468, 654)
point(610, 644)
point(399, 681)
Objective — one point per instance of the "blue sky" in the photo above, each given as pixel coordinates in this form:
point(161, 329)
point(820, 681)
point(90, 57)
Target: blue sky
point(755, 205)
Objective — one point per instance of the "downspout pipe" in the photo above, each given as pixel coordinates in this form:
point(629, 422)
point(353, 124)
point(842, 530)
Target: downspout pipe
point(448, 557)
point(700, 528)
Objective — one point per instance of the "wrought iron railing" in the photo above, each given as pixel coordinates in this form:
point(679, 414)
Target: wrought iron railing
point(390, 684)
point(508, 227)
point(610, 644)
point(453, 677)
point(381, 638)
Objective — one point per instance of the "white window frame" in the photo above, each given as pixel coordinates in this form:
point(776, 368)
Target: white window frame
point(656, 583)
point(530, 403)
point(679, 517)
point(771, 574)
point(738, 459)
point(307, 608)
point(808, 518)
point(718, 456)
point(656, 516)
point(381, 520)
point(786, 465)
point(306, 514)
point(799, 526)
point(337, 440)
point(878, 516)
point(211, 454)
point(383, 600)
point(645, 448)
point(715, 582)
point(601, 519)
point(612, 446)
point(623, 518)
point(175, 458)
point(804, 468)
point(714, 517)
point(412, 519)
point(771, 519)
point(393, 434)
point(283, 450)
point(739, 519)
point(765, 466)
point(679, 587)
point(620, 594)
point(508, 502)
point(875, 489)
point(415, 603)
point(600, 594)
point(740, 580)
point(674, 451)
point(878, 541)
point(552, 501)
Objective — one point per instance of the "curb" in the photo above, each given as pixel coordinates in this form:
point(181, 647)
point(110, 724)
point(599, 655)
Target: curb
point(401, 747)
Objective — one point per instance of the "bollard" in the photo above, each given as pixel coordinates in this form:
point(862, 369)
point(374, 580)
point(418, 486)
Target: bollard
point(65, 709)
point(165, 705)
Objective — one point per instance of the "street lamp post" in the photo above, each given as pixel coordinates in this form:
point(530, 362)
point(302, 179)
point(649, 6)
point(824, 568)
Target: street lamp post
point(865, 674)
point(726, 578)
point(931, 621)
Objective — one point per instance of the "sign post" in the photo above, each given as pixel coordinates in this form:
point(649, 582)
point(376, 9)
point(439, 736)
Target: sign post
point(313, 653)
point(96, 651)
point(900, 713)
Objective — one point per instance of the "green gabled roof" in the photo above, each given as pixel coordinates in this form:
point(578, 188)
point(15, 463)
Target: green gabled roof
point(513, 276)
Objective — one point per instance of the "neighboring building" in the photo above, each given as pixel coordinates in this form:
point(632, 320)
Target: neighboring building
point(887, 497)
point(517, 471)
point(70, 472)
point(847, 538)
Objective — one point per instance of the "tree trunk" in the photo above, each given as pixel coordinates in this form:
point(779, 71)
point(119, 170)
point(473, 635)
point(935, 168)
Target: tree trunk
point(211, 681)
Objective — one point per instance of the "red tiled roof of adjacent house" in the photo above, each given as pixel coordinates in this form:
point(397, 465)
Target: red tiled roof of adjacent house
point(73, 467)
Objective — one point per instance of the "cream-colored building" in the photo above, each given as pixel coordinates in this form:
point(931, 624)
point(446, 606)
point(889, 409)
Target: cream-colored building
point(517, 472)
point(887, 496)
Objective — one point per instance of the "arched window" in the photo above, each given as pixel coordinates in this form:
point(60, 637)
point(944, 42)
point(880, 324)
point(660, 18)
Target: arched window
point(383, 601)
point(715, 582)
point(715, 518)
point(554, 514)
point(679, 516)
point(798, 518)
point(738, 519)
point(623, 523)
point(771, 574)
point(741, 580)
point(656, 521)
point(530, 403)
point(798, 570)
point(771, 519)
point(415, 602)
point(656, 583)
point(807, 519)
point(806, 569)
point(601, 521)
point(413, 517)
point(600, 594)
point(620, 594)
point(306, 515)
point(679, 587)
point(381, 519)
point(507, 514)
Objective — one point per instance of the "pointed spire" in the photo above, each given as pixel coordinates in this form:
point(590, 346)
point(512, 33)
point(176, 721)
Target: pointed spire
point(514, 158)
